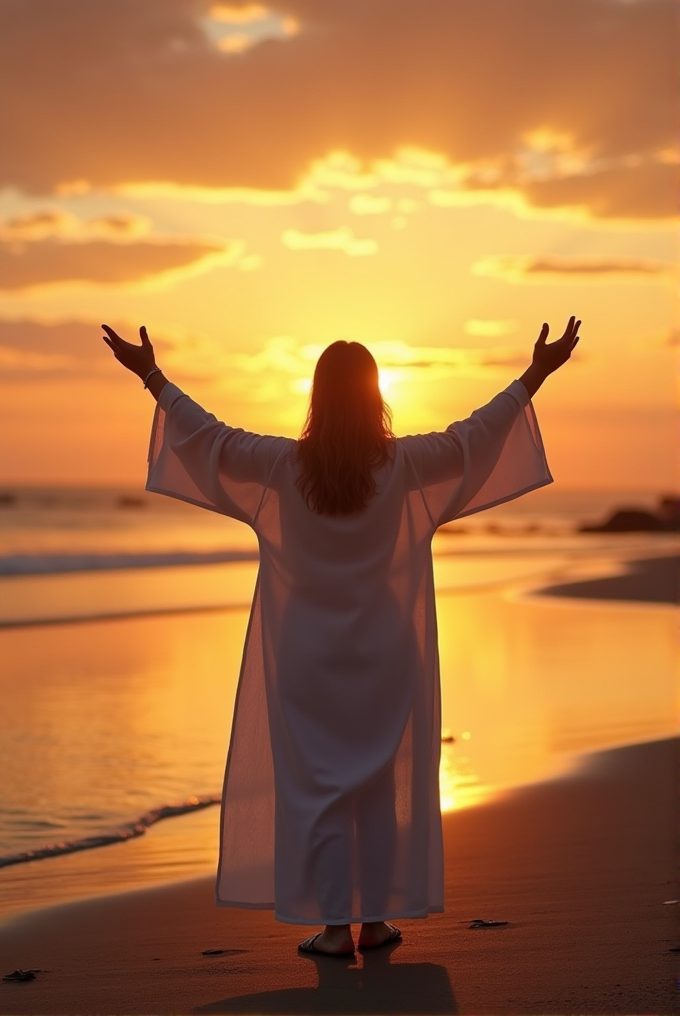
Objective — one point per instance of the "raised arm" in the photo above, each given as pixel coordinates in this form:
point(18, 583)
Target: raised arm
point(139, 359)
point(496, 453)
point(192, 455)
point(548, 356)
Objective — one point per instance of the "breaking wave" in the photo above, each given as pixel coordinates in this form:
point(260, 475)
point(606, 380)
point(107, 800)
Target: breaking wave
point(128, 831)
point(54, 564)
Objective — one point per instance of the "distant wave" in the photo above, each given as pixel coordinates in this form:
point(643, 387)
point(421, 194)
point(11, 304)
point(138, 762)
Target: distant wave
point(53, 564)
point(128, 831)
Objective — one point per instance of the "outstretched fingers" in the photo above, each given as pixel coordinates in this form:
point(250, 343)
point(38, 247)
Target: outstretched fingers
point(540, 341)
point(571, 335)
point(113, 341)
point(571, 329)
point(113, 336)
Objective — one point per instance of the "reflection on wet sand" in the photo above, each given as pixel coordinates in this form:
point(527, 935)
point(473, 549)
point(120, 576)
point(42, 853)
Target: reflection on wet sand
point(529, 682)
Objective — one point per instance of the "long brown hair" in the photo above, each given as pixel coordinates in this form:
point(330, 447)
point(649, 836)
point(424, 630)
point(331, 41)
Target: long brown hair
point(346, 433)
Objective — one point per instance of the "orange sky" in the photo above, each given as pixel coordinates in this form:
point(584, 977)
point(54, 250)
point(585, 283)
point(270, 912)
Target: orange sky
point(252, 182)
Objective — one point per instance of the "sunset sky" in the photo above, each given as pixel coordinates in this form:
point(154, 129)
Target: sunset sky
point(434, 178)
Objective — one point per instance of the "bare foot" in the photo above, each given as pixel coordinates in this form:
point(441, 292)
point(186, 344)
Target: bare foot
point(334, 940)
point(377, 933)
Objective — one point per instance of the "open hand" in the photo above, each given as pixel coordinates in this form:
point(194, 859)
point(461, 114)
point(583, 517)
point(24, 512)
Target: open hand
point(551, 355)
point(139, 359)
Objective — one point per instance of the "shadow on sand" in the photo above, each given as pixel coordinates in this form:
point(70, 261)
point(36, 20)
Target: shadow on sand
point(344, 987)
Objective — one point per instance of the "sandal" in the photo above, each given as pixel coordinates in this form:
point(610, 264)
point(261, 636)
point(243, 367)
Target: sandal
point(308, 946)
point(394, 936)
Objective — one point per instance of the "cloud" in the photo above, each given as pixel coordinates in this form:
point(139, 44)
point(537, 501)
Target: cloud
point(489, 327)
point(369, 204)
point(249, 262)
point(122, 225)
point(258, 198)
point(49, 246)
point(341, 239)
point(431, 362)
point(22, 360)
point(644, 191)
point(54, 223)
point(237, 29)
point(448, 360)
point(553, 269)
point(150, 96)
point(25, 266)
point(36, 225)
point(34, 350)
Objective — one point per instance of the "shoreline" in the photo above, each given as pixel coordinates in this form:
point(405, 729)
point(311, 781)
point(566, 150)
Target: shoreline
point(579, 867)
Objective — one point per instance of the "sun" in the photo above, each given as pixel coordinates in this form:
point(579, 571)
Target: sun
point(387, 378)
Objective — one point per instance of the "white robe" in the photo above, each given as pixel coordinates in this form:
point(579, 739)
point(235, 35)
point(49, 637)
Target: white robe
point(330, 811)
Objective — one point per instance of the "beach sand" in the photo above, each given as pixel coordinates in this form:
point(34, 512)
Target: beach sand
point(579, 867)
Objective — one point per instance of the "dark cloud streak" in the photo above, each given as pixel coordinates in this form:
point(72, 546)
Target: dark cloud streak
point(550, 268)
point(26, 265)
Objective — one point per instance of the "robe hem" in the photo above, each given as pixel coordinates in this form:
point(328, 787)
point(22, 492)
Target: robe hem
point(392, 915)
point(243, 906)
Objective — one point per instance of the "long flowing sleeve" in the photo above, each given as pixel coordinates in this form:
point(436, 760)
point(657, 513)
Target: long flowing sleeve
point(494, 456)
point(195, 458)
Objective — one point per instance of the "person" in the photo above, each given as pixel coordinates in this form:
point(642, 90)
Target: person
point(330, 809)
